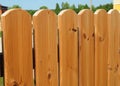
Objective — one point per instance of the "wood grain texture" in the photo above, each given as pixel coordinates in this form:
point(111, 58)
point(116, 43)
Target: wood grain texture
point(17, 39)
point(68, 33)
point(113, 54)
point(45, 25)
point(86, 48)
point(101, 48)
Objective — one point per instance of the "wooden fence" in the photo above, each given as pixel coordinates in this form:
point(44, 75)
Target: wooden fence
point(70, 49)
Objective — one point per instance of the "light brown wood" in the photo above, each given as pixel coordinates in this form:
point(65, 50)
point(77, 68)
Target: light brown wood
point(17, 39)
point(45, 25)
point(113, 54)
point(68, 33)
point(86, 48)
point(101, 48)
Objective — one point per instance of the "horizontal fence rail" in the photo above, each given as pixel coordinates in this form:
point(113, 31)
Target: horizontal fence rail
point(69, 49)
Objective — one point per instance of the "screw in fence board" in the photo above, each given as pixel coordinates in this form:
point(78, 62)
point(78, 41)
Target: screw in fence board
point(101, 48)
point(46, 54)
point(87, 48)
point(67, 20)
point(17, 39)
point(113, 54)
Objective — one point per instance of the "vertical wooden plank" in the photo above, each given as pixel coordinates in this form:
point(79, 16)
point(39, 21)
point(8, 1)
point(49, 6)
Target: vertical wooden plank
point(17, 33)
point(68, 33)
point(45, 24)
point(119, 59)
point(87, 48)
point(101, 48)
point(113, 54)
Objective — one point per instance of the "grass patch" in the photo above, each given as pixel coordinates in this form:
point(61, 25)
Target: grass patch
point(0, 33)
point(1, 81)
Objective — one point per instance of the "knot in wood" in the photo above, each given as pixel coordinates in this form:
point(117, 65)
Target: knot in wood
point(116, 68)
point(49, 75)
point(14, 83)
point(93, 35)
point(101, 39)
point(119, 51)
point(85, 36)
point(74, 30)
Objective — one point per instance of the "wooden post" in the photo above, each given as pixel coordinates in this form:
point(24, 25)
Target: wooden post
point(113, 54)
point(68, 33)
point(46, 54)
point(86, 48)
point(17, 38)
point(101, 48)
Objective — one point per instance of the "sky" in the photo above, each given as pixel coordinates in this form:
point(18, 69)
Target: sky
point(36, 4)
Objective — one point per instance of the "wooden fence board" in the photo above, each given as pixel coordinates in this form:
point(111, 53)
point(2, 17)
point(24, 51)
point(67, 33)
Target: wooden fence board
point(17, 34)
point(45, 24)
point(87, 48)
point(101, 48)
point(113, 54)
point(68, 33)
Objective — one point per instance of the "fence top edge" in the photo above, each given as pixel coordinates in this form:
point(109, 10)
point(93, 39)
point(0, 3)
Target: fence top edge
point(84, 11)
point(13, 10)
point(65, 11)
point(42, 10)
point(100, 10)
point(112, 11)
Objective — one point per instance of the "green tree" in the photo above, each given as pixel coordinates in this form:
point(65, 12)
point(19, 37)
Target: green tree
point(73, 7)
point(81, 7)
point(14, 6)
point(31, 11)
point(57, 9)
point(43, 7)
point(65, 5)
point(107, 7)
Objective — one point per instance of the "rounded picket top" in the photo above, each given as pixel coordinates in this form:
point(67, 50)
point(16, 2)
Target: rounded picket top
point(67, 11)
point(113, 11)
point(67, 18)
point(16, 14)
point(114, 18)
point(43, 15)
point(86, 19)
point(15, 11)
point(100, 11)
point(43, 12)
point(85, 11)
point(100, 17)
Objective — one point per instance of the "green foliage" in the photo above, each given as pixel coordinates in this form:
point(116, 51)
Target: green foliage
point(1, 81)
point(14, 6)
point(1, 33)
point(44, 7)
point(81, 7)
point(57, 9)
point(73, 7)
point(31, 11)
point(107, 7)
point(66, 5)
